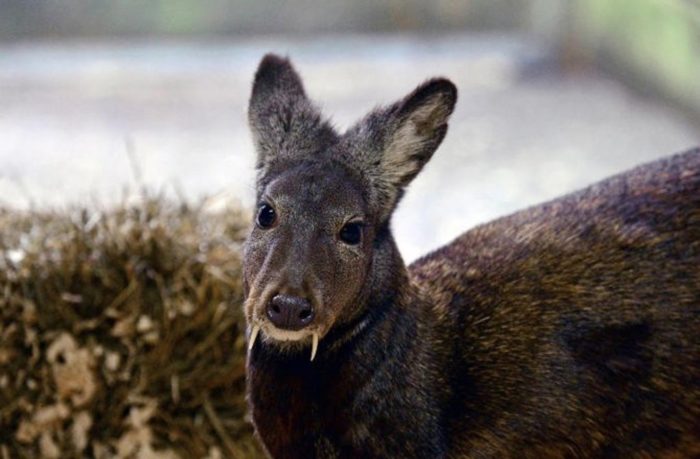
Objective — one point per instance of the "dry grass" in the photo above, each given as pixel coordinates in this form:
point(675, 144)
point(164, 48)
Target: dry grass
point(121, 333)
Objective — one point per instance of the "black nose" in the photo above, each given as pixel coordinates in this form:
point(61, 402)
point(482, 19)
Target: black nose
point(290, 312)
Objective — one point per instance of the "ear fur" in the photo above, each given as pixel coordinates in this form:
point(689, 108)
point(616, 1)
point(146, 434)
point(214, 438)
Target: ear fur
point(284, 122)
point(391, 145)
point(276, 74)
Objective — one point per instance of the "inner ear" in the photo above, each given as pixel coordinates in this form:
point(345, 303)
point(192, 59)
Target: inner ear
point(429, 105)
point(420, 125)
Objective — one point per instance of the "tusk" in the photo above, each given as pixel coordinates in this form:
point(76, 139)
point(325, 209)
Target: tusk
point(314, 346)
point(253, 335)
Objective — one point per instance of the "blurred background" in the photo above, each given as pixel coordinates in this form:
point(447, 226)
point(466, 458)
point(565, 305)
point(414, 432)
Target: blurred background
point(121, 331)
point(100, 97)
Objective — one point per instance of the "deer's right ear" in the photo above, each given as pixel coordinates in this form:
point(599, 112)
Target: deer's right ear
point(283, 121)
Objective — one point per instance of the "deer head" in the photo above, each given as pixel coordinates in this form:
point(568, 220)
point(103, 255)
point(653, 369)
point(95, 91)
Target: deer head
point(320, 251)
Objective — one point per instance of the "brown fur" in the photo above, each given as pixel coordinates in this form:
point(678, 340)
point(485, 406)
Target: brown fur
point(579, 317)
point(570, 329)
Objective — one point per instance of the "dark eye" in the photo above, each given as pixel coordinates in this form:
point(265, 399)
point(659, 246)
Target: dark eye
point(351, 233)
point(266, 216)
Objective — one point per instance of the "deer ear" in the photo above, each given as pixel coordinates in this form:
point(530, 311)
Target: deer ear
point(419, 127)
point(393, 144)
point(283, 121)
point(275, 76)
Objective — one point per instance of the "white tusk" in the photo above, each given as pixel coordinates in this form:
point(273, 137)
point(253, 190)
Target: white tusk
point(253, 335)
point(314, 346)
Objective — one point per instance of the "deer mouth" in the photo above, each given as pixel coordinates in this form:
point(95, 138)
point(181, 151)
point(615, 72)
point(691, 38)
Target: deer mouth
point(273, 325)
point(283, 336)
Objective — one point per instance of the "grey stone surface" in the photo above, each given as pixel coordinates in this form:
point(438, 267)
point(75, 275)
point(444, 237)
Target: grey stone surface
point(523, 131)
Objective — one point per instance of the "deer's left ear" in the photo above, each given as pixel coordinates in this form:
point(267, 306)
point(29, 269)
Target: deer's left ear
point(391, 145)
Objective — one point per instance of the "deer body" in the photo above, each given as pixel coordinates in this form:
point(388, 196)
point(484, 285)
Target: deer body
point(570, 329)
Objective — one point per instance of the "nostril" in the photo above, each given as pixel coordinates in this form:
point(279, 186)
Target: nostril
point(305, 314)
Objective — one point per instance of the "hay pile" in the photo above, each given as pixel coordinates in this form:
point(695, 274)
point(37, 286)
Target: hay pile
point(121, 334)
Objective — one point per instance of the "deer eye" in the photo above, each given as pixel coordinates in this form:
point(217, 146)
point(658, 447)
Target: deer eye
point(266, 216)
point(351, 233)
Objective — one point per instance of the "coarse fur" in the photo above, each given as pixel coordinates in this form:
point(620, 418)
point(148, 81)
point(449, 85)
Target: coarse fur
point(570, 329)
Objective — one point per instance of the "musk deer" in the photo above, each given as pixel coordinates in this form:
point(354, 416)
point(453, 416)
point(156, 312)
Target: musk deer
point(570, 329)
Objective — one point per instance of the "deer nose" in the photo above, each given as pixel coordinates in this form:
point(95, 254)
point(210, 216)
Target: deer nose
point(290, 312)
